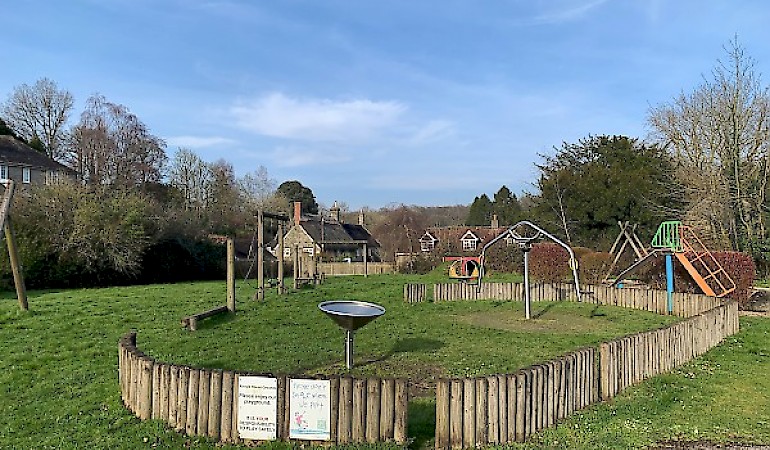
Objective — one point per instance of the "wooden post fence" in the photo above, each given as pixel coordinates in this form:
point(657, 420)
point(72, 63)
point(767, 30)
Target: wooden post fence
point(204, 402)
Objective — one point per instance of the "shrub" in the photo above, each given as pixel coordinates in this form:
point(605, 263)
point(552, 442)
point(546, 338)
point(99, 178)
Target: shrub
point(504, 258)
point(593, 266)
point(548, 263)
point(741, 268)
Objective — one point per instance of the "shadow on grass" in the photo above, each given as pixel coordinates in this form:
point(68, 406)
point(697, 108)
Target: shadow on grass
point(408, 345)
point(215, 321)
point(542, 312)
point(596, 313)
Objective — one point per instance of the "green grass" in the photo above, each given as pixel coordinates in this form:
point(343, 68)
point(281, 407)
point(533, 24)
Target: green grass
point(58, 363)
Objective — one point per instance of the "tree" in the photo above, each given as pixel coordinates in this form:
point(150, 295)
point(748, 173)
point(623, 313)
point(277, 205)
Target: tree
point(40, 112)
point(506, 206)
point(480, 212)
point(719, 136)
point(224, 207)
point(586, 188)
point(294, 191)
point(192, 177)
point(399, 229)
point(112, 146)
point(5, 130)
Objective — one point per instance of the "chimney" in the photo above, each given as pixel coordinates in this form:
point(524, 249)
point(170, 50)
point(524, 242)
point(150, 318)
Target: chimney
point(495, 222)
point(361, 217)
point(297, 212)
point(335, 212)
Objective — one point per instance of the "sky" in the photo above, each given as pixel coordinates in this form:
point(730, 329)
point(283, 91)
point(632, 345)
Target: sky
point(374, 103)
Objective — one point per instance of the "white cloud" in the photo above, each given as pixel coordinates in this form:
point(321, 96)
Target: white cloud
point(277, 115)
point(568, 11)
point(433, 131)
point(193, 142)
point(300, 157)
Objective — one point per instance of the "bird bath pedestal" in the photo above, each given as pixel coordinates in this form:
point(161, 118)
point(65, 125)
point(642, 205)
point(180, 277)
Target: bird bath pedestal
point(350, 316)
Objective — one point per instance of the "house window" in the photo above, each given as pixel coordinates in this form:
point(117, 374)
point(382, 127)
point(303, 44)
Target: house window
point(308, 250)
point(26, 176)
point(427, 246)
point(470, 241)
point(3, 172)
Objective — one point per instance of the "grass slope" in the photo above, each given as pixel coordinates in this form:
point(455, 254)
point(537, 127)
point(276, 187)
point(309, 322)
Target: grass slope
point(58, 363)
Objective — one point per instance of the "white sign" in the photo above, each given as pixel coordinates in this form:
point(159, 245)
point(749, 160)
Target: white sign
point(309, 409)
point(257, 408)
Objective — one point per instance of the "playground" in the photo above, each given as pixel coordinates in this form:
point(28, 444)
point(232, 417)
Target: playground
point(73, 335)
point(426, 347)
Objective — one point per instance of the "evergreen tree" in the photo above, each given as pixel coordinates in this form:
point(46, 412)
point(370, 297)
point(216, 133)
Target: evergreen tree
point(294, 191)
point(507, 207)
point(480, 212)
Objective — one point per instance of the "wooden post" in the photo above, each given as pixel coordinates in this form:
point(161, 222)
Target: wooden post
point(182, 399)
point(230, 274)
point(281, 289)
point(372, 410)
point(359, 410)
point(366, 261)
point(344, 425)
point(456, 414)
point(260, 256)
point(18, 275)
point(442, 414)
point(388, 410)
point(204, 391)
point(227, 406)
point(295, 260)
point(215, 405)
point(401, 410)
point(192, 404)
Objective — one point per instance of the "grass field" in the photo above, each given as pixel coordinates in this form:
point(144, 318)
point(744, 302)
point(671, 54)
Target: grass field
point(58, 363)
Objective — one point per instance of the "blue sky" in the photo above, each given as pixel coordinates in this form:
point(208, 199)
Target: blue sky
point(379, 102)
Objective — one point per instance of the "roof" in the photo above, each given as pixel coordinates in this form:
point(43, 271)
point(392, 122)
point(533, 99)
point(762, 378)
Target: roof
point(335, 233)
point(13, 151)
point(456, 233)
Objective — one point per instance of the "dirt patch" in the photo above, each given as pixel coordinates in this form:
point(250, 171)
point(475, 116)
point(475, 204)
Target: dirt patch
point(545, 320)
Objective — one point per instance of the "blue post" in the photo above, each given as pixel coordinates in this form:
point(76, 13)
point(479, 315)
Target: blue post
point(670, 282)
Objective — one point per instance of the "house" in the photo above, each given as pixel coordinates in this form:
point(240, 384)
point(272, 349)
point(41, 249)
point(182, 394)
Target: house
point(455, 240)
point(25, 165)
point(330, 237)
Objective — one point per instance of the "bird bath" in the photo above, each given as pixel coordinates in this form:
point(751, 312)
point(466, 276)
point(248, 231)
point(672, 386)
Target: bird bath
point(350, 316)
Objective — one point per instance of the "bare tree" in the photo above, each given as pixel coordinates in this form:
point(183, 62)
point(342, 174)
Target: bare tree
point(112, 146)
point(40, 112)
point(720, 137)
point(192, 177)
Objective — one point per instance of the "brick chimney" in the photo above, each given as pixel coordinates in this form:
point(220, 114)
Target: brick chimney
point(297, 212)
point(335, 212)
point(495, 222)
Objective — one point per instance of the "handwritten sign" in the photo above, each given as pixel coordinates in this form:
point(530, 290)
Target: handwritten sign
point(257, 408)
point(310, 409)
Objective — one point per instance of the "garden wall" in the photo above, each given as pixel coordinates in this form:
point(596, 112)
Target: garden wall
point(204, 402)
point(355, 268)
point(684, 305)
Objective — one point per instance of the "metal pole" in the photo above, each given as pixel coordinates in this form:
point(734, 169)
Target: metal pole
point(526, 284)
point(260, 256)
point(349, 349)
point(670, 282)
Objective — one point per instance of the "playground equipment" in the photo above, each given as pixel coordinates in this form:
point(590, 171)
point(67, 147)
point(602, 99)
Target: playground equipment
point(350, 316)
point(525, 243)
point(5, 224)
point(465, 269)
point(704, 269)
point(675, 239)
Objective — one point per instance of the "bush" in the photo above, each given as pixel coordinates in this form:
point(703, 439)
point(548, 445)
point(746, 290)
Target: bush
point(549, 263)
point(504, 258)
point(741, 268)
point(593, 266)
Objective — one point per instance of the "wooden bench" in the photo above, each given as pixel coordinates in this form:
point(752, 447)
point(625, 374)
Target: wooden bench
point(191, 322)
point(314, 280)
